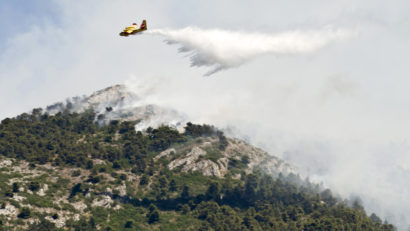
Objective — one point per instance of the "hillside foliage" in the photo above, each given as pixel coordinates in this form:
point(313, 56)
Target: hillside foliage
point(156, 198)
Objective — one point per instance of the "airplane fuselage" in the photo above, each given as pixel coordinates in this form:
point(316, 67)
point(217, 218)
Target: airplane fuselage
point(133, 29)
point(128, 32)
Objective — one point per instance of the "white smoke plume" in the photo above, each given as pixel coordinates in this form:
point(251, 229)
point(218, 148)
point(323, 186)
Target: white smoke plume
point(328, 131)
point(223, 49)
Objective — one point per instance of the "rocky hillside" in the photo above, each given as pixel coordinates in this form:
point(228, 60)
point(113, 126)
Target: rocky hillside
point(119, 103)
point(83, 165)
point(50, 190)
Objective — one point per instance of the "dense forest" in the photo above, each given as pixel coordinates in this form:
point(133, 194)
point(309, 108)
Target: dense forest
point(156, 197)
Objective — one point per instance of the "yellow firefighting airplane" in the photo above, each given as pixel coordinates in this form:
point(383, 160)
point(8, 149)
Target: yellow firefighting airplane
point(133, 29)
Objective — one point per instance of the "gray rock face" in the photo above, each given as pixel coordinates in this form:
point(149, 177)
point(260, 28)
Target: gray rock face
point(258, 158)
point(79, 205)
point(190, 163)
point(195, 159)
point(189, 159)
point(5, 163)
point(9, 211)
point(105, 202)
point(208, 168)
point(115, 96)
point(273, 165)
point(166, 153)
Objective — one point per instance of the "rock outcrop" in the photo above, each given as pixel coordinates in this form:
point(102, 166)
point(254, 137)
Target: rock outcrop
point(197, 159)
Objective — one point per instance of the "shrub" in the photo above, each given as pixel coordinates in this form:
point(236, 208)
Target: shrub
point(144, 180)
point(34, 186)
point(153, 215)
point(8, 193)
point(15, 187)
point(76, 173)
point(24, 213)
point(128, 224)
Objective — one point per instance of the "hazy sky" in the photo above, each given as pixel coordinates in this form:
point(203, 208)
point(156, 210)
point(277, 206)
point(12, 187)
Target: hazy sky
point(340, 113)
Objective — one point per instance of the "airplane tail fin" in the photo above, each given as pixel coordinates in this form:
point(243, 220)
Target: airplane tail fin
point(143, 24)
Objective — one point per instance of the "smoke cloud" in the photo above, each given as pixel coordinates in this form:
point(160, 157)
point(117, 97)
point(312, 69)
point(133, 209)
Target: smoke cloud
point(328, 131)
point(223, 49)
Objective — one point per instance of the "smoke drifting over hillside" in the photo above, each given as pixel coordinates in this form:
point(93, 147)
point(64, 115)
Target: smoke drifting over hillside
point(332, 141)
point(223, 49)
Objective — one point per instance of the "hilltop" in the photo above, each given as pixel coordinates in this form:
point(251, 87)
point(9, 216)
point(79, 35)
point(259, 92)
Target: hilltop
point(110, 162)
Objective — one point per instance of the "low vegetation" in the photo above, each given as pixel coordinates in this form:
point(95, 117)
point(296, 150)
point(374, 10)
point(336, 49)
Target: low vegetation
point(66, 172)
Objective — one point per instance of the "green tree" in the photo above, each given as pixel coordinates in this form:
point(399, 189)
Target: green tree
point(185, 193)
point(153, 214)
point(15, 187)
point(173, 186)
point(128, 224)
point(144, 180)
point(34, 186)
point(42, 225)
point(213, 191)
point(24, 213)
point(76, 189)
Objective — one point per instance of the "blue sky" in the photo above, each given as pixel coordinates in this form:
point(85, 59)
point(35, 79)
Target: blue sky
point(340, 113)
point(16, 16)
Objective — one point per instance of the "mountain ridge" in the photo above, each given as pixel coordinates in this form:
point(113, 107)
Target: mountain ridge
point(86, 165)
